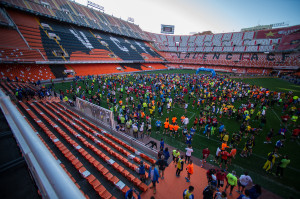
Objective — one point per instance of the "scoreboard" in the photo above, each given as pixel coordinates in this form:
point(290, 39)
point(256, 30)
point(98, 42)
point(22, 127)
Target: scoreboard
point(167, 29)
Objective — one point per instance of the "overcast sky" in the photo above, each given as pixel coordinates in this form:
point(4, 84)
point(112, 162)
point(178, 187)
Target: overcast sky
point(201, 15)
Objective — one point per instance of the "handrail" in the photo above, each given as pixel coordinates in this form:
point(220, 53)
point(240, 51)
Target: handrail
point(56, 183)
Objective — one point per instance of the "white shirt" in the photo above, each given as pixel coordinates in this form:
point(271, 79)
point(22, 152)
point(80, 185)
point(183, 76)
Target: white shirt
point(245, 179)
point(188, 151)
point(152, 174)
point(186, 121)
point(134, 127)
point(213, 177)
point(218, 150)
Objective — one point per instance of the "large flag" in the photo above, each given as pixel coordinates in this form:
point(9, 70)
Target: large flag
point(276, 33)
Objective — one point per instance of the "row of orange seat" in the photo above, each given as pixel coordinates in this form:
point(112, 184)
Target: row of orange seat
point(53, 154)
point(26, 72)
point(124, 160)
point(62, 165)
point(100, 189)
point(151, 160)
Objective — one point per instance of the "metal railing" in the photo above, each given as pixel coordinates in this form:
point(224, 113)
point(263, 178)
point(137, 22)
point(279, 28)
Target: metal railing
point(52, 180)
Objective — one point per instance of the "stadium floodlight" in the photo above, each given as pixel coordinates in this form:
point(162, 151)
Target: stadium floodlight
point(130, 19)
point(94, 5)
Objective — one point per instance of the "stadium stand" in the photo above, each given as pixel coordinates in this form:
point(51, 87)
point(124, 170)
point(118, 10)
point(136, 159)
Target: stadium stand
point(85, 146)
point(26, 72)
point(78, 14)
point(58, 41)
point(40, 40)
point(259, 41)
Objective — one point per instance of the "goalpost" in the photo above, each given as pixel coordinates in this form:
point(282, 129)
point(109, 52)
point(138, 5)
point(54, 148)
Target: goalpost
point(99, 113)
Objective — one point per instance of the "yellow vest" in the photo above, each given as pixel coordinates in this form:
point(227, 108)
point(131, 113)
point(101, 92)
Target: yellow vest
point(176, 154)
point(179, 163)
point(187, 194)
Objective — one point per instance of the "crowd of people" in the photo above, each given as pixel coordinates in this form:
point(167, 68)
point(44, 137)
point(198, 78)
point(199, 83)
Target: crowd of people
point(140, 101)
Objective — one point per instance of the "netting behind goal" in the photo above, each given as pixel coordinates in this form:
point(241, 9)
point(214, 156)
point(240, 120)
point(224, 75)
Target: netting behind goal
point(97, 112)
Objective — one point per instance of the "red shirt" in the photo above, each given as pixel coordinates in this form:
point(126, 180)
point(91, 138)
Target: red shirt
point(205, 152)
point(221, 176)
point(224, 155)
point(296, 132)
point(285, 118)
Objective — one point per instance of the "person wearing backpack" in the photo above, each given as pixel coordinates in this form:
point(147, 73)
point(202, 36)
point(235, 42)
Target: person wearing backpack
point(162, 164)
point(208, 192)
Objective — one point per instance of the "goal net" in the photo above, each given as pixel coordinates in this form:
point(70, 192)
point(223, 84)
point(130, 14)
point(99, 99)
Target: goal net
point(97, 112)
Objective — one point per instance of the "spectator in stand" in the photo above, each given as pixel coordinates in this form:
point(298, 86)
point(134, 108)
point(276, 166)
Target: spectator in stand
point(205, 154)
point(244, 181)
point(231, 181)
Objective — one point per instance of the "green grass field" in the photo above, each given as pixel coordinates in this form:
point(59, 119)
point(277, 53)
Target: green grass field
point(287, 186)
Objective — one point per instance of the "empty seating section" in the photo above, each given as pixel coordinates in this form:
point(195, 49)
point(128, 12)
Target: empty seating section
point(106, 134)
point(10, 38)
point(4, 20)
point(88, 149)
point(53, 154)
point(289, 42)
point(57, 41)
point(26, 72)
point(13, 47)
point(73, 12)
point(223, 42)
point(67, 153)
point(89, 69)
point(16, 54)
point(92, 139)
point(235, 59)
point(29, 28)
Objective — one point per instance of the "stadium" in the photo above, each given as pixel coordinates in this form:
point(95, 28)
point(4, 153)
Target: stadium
point(90, 102)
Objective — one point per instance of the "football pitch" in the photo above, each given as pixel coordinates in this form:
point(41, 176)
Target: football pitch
point(285, 187)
